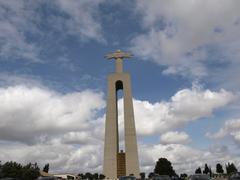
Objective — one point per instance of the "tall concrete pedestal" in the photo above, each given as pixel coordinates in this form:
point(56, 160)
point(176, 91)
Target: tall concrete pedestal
point(117, 81)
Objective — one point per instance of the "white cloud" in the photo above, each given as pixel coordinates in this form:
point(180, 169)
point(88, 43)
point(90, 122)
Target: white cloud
point(41, 125)
point(62, 157)
point(83, 18)
point(21, 31)
point(186, 37)
point(11, 79)
point(175, 137)
point(30, 115)
point(88, 158)
point(185, 106)
point(15, 21)
point(184, 158)
point(231, 128)
point(66, 130)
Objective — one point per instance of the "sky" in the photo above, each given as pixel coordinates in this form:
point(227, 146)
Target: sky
point(185, 80)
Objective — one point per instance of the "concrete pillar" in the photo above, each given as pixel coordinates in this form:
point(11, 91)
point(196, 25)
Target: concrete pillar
point(119, 66)
point(111, 132)
point(111, 148)
point(132, 162)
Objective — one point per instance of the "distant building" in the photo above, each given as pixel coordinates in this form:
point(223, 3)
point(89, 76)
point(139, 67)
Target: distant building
point(44, 174)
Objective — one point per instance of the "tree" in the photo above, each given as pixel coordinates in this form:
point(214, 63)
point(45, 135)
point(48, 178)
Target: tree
point(95, 176)
point(46, 168)
point(16, 170)
point(142, 175)
point(101, 176)
point(11, 169)
point(88, 176)
point(219, 168)
point(206, 169)
point(30, 172)
point(183, 176)
point(198, 171)
point(81, 175)
point(0, 169)
point(164, 167)
point(231, 168)
point(150, 175)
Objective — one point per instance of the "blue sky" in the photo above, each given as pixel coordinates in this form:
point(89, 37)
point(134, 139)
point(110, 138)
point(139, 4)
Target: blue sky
point(184, 80)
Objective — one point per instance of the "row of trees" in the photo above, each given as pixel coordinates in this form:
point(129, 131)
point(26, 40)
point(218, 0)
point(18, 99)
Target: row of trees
point(91, 176)
point(230, 168)
point(32, 171)
point(16, 170)
point(162, 167)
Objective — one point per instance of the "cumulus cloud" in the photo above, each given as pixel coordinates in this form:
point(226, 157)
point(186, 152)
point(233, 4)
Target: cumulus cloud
point(191, 37)
point(62, 157)
point(66, 130)
point(185, 106)
point(184, 158)
point(175, 137)
point(43, 126)
point(30, 115)
point(231, 128)
point(88, 158)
